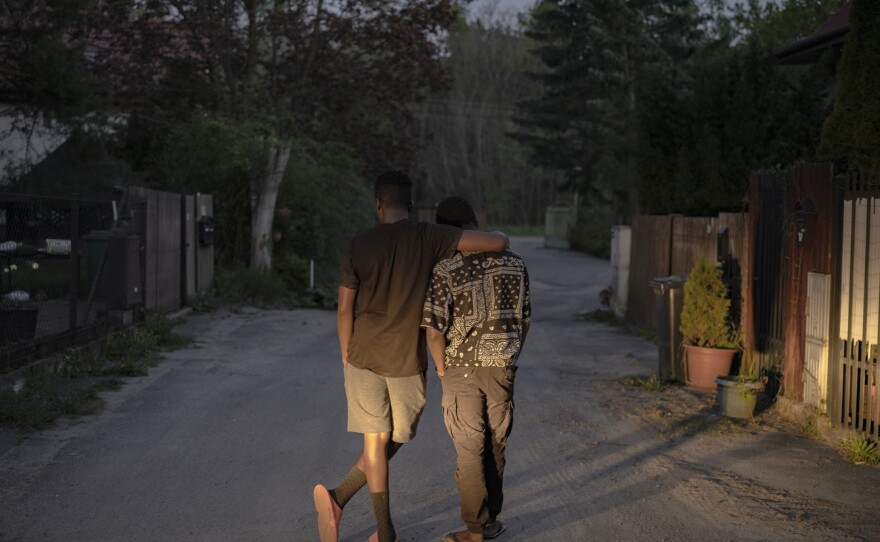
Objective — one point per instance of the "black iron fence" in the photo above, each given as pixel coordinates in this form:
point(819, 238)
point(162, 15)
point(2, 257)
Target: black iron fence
point(72, 267)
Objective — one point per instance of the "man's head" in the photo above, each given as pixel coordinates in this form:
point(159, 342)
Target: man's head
point(393, 190)
point(457, 211)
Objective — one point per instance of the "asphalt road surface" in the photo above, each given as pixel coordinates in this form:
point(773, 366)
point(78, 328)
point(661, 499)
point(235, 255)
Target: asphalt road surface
point(225, 440)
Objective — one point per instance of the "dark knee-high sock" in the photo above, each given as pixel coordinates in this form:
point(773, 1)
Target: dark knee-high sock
point(382, 509)
point(351, 484)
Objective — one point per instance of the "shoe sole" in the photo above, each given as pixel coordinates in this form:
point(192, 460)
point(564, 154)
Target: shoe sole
point(328, 526)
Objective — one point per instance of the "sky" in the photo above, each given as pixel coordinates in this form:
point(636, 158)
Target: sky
point(518, 6)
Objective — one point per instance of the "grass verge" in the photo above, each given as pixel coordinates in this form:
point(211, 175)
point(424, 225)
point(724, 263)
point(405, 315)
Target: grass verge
point(69, 386)
point(860, 450)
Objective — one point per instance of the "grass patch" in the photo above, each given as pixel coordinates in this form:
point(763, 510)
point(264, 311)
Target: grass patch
point(726, 425)
point(70, 386)
point(245, 287)
point(602, 316)
point(648, 384)
point(810, 427)
point(242, 287)
point(860, 450)
point(607, 316)
point(204, 302)
point(31, 412)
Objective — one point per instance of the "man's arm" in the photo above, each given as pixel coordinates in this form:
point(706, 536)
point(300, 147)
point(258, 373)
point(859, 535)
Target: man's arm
point(437, 347)
point(345, 319)
point(481, 241)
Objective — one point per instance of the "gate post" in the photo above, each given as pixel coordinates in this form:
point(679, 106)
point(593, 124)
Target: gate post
point(835, 409)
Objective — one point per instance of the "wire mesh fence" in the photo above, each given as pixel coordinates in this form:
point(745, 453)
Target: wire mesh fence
point(52, 257)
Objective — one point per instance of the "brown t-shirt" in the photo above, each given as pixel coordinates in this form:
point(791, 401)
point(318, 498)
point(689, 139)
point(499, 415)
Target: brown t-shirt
point(390, 266)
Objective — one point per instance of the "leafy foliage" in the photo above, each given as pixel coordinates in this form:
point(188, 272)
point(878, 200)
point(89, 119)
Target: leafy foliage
point(246, 287)
point(203, 92)
point(591, 234)
point(464, 129)
point(860, 450)
point(705, 309)
point(658, 107)
point(328, 203)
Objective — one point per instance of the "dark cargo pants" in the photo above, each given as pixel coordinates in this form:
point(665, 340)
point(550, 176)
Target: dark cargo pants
point(478, 414)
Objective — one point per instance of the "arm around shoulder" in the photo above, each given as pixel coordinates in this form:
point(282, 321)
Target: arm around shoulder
point(480, 241)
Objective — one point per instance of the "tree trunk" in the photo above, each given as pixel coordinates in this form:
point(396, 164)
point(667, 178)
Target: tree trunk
point(264, 193)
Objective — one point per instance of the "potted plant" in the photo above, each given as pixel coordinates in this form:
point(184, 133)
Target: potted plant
point(737, 395)
point(705, 326)
point(18, 313)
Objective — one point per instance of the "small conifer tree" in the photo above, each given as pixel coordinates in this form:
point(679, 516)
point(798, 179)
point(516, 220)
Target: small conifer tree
point(706, 308)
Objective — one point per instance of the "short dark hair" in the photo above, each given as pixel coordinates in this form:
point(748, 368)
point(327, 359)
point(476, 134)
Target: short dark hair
point(456, 211)
point(394, 190)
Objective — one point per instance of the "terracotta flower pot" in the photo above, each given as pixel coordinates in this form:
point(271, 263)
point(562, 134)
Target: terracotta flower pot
point(704, 365)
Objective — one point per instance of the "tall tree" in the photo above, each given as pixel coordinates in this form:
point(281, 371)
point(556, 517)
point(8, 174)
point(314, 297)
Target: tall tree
point(597, 57)
point(463, 130)
point(852, 132)
point(309, 68)
point(343, 70)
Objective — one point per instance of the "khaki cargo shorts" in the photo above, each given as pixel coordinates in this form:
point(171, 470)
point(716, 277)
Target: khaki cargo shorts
point(378, 404)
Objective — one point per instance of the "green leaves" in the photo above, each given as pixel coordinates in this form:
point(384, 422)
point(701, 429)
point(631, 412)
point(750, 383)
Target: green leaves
point(852, 132)
point(705, 311)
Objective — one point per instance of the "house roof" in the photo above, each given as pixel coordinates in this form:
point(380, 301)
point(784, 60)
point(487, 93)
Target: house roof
point(830, 34)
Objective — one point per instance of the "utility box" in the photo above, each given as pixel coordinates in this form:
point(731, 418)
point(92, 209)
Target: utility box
point(668, 298)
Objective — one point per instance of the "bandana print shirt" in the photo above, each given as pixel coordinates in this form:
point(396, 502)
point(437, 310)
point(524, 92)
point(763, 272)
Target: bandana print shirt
point(479, 301)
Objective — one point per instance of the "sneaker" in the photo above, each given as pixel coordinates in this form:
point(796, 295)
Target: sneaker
point(329, 514)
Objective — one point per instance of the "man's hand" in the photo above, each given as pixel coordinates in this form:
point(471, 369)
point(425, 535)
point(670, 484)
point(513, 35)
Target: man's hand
point(437, 347)
point(345, 319)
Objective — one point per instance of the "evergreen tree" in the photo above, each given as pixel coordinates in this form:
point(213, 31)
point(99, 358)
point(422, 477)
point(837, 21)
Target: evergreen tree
point(598, 56)
point(852, 132)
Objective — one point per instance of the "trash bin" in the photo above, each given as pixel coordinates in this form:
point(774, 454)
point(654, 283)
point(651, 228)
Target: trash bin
point(669, 293)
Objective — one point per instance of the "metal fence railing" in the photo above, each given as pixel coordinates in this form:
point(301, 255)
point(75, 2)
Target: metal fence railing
point(50, 295)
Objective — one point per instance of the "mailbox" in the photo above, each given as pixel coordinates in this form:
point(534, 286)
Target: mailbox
point(805, 223)
point(206, 231)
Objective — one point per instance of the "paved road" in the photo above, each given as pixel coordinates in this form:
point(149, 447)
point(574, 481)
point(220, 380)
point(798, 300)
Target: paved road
point(224, 441)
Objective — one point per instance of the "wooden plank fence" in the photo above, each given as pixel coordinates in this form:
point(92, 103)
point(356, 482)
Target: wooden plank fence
point(670, 245)
point(176, 266)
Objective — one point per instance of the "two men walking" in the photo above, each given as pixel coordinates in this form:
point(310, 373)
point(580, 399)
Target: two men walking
point(386, 273)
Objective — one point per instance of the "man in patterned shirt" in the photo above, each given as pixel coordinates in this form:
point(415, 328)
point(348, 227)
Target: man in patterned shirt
point(476, 317)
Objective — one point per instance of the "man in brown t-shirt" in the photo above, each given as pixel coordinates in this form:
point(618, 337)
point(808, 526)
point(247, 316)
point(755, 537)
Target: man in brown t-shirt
point(386, 271)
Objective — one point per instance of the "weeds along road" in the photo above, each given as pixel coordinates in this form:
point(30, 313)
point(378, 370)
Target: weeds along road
point(225, 440)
